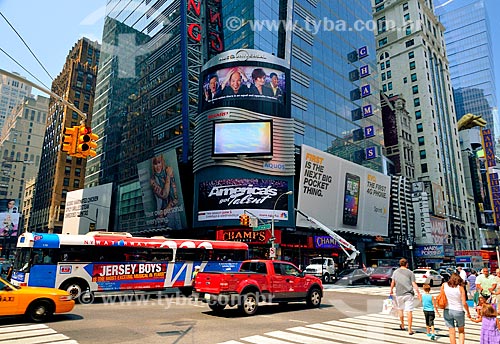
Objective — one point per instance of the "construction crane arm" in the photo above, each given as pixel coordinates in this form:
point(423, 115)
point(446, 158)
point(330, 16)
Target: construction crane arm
point(344, 244)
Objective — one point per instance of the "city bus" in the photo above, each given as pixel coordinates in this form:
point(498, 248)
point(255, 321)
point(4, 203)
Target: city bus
point(105, 262)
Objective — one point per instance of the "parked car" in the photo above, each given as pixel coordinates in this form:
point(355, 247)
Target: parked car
point(382, 275)
point(352, 276)
point(37, 304)
point(428, 276)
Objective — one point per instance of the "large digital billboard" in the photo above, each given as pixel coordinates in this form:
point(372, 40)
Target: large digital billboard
point(247, 79)
point(342, 195)
point(162, 192)
point(87, 210)
point(248, 138)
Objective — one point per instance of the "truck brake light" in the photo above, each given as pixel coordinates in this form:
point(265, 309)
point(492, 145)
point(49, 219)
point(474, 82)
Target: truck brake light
point(224, 285)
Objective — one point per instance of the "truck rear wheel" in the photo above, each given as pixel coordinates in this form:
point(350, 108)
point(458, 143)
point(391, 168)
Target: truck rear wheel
point(248, 304)
point(314, 297)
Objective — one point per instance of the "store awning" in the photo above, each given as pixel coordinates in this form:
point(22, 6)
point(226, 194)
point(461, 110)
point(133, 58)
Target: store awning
point(380, 245)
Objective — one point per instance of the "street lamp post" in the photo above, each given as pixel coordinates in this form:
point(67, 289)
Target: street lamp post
point(273, 239)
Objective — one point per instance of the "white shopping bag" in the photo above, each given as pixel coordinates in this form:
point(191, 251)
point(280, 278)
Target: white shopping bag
point(388, 306)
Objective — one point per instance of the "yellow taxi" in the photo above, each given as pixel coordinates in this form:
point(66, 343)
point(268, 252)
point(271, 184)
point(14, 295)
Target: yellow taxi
point(37, 304)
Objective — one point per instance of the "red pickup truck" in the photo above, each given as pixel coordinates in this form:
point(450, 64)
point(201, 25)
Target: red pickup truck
point(256, 281)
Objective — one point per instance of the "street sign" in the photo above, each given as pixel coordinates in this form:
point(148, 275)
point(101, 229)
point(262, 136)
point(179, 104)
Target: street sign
point(262, 227)
point(272, 252)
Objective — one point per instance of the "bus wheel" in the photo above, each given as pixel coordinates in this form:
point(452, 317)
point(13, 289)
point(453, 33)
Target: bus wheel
point(75, 287)
point(40, 311)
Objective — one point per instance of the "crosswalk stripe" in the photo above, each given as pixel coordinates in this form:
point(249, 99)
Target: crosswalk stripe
point(364, 329)
point(32, 334)
point(6, 329)
point(264, 340)
point(35, 340)
point(23, 334)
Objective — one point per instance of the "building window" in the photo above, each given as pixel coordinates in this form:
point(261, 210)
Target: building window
point(414, 89)
point(411, 54)
point(388, 63)
point(405, 6)
point(405, 80)
point(407, 16)
point(66, 182)
point(389, 86)
point(67, 170)
point(384, 87)
point(420, 128)
point(383, 76)
point(379, 8)
point(409, 43)
point(382, 66)
point(424, 168)
point(382, 42)
point(378, 1)
point(421, 141)
point(423, 154)
point(78, 171)
point(416, 102)
point(381, 25)
point(413, 77)
point(389, 74)
point(412, 65)
point(77, 94)
point(76, 183)
point(408, 30)
point(418, 114)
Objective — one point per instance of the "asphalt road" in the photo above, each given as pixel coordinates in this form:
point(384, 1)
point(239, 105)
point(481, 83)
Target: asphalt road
point(181, 320)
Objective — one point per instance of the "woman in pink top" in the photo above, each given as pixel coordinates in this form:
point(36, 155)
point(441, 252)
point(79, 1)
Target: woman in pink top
point(454, 314)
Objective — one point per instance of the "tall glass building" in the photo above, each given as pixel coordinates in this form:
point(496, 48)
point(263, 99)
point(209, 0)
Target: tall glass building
point(146, 95)
point(325, 50)
point(469, 49)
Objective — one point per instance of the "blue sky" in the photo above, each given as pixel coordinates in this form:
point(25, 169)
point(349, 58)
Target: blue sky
point(51, 27)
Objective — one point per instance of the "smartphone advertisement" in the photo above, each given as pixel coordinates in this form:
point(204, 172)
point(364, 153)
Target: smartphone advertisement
point(342, 195)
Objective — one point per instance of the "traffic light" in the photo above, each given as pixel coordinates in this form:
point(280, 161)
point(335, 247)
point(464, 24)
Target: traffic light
point(86, 142)
point(92, 143)
point(70, 140)
point(244, 220)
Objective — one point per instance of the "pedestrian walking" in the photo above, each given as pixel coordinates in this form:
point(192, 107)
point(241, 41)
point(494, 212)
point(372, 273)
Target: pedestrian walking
point(457, 307)
point(403, 280)
point(429, 305)
point(486, 284)
point(490, 325)
point(471, 281)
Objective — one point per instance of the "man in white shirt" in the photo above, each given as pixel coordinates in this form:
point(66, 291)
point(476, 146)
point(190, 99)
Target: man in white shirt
point(463, 276)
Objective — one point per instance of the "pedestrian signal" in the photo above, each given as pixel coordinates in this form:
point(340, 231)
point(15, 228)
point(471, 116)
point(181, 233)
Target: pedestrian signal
point(70, 140)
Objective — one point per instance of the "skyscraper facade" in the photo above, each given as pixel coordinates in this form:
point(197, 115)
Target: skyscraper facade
point(12, 92)
point(321, 44)
point(413, 63)
point(469, 51)
point(21, 142)
point(60, 173)
point(147, 94)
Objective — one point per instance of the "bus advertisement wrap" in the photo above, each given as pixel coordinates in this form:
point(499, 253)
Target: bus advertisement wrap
point(101, 262)
point(162, 192)
point(342, 195)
